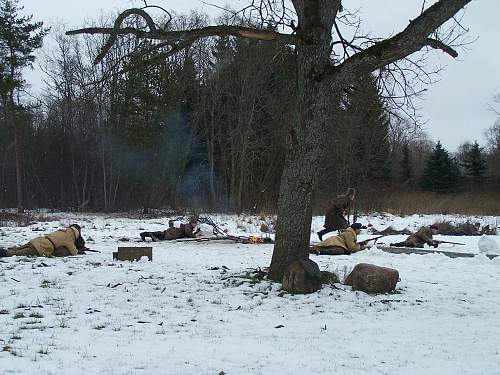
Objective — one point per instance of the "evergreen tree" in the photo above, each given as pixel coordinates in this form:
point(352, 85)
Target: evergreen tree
point(19, 38)
point(474, 163)
point(441, 173)
point(367, 117)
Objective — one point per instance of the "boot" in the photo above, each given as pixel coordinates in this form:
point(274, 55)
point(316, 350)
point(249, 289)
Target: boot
point(322, 232)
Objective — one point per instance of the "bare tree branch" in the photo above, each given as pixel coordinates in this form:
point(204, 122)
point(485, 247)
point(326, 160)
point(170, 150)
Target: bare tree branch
point(410, 40)
point(437, 44)
point(177, 39)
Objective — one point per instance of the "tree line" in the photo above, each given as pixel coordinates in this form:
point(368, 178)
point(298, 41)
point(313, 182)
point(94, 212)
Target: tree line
point(204, 129)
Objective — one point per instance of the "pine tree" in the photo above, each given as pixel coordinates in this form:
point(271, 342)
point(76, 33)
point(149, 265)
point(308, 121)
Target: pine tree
point(366, 114)
point(474, 163)
point(19, 38)
point(441, 173)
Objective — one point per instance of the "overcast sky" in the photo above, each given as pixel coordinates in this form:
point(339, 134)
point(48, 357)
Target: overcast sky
point(456, 107)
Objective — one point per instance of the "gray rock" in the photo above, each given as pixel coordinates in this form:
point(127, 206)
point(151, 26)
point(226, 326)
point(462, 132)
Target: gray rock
point(329, 278)
point(370, 278)
point(302, 277)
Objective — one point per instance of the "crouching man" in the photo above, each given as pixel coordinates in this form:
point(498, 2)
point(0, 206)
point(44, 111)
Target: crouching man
point(172, 233)
point(423, 236)
point(343, 244)
point(62, 242)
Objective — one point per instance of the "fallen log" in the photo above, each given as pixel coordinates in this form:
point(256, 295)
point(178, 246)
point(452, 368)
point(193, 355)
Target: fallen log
point(413, 250)
point(404, 250)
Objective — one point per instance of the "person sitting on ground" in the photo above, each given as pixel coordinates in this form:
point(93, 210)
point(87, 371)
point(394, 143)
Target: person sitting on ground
point(172, 233)
point(62, 242)
point(419, 239)
point(335, 214)
point(343, 244)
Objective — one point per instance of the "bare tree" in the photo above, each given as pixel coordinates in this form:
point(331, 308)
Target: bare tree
point(312, 22)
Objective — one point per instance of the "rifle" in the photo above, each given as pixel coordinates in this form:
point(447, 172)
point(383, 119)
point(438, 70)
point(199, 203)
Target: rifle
point(87, 249)
point(215, 228)
point(371, 239)
point(453, 243)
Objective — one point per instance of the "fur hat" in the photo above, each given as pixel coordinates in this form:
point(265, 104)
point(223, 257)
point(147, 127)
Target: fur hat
point(356, 226)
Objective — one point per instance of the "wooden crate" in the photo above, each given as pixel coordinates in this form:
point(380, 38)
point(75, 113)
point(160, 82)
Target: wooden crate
point(133, 253)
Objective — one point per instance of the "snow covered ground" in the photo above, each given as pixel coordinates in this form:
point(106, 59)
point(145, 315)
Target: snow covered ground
point(194, 310)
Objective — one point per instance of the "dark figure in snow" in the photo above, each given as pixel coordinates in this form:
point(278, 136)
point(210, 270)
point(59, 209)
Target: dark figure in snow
point(61, 243)
point(336, 212)
point(343, 244)
point(173, 233)
point(419, 239)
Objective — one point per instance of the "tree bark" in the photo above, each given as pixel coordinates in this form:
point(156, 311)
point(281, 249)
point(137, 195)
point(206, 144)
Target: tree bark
point(305, 138)
point(19, 183)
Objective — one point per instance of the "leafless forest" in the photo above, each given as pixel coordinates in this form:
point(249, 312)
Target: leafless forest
point(205, 129)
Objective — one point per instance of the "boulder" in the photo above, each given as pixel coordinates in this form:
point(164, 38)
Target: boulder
point(329, 278)
point(302, 277)
point(370, 278)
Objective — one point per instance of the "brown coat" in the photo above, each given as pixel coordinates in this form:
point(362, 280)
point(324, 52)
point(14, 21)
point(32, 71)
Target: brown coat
point(185, 230)
point(346, 240)
point(423, 236)
point(334, 216)
point(60, 238)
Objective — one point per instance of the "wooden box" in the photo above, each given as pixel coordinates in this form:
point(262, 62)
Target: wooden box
point(133, 253)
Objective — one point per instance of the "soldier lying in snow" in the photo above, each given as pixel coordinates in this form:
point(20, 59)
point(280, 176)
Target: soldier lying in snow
point(423, 236)
point(63, 242)
point(172, 233)
point(343, 244)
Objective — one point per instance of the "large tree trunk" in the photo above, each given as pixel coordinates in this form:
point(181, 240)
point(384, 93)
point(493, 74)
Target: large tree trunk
point(17, 146)
point(19, 183)
point(305, 137)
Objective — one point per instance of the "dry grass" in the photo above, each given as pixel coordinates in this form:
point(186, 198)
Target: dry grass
point(407, 203)
point(23, 219)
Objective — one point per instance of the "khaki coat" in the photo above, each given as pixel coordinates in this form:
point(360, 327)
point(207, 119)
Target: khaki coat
point(66, 237)
point(346, 240)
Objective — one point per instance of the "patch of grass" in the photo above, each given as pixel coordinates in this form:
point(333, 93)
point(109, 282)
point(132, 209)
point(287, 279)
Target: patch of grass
point(45, 284)
point(43, 350)
point(19, 315)
point(254, 276)
point(396, 291)
point(15, 336)
point(21, 306)
point(33, 321)
point(32, 327)
point(62, 322)
point(35, 315)
point(100, 326)
point(4, 312)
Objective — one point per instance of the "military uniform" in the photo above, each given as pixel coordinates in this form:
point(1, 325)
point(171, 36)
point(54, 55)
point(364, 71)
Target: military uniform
point(334, 215)
point(62, 242)
point(423, 236)
point(172, 233)
point(344, 243)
